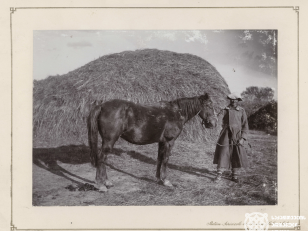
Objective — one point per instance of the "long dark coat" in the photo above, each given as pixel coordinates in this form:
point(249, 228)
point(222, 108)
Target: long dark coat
point(228, 153)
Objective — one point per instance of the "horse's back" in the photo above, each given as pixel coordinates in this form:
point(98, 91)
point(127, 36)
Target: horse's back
point(114, 108)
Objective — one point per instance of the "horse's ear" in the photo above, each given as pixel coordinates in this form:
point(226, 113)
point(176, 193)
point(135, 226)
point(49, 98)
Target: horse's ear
point(206, 96)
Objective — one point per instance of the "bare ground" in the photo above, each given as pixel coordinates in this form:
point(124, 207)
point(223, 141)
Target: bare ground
point(132, 171)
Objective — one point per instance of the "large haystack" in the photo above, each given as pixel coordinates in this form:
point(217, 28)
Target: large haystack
point(61, 103)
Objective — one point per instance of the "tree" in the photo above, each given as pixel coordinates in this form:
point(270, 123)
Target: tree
point(256, 97)
point(258, 94)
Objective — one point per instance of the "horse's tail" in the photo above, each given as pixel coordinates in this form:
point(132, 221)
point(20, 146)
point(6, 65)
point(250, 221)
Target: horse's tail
point(93, 133)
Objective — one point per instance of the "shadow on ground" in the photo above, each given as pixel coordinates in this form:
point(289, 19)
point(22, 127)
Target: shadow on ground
point(47, 158)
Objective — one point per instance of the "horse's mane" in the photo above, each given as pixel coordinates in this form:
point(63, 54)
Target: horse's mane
point(190, 106)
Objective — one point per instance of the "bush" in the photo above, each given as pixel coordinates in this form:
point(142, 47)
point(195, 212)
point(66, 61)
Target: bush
point(256, 97)
point(265, 118)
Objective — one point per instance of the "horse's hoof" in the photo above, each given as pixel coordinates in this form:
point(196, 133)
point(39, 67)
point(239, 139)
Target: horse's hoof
point(108, 184)
point(102, 188)
point(168, 183)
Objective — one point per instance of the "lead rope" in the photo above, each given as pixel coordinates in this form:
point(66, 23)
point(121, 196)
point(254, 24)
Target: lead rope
point(233, 143)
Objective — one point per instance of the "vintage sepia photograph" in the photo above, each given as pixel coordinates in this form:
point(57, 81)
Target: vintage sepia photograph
point(155, 117)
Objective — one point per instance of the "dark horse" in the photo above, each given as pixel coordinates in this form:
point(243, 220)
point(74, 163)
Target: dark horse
point(139, 124)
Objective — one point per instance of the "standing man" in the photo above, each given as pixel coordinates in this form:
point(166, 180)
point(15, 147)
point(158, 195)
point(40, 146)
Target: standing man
point(230, 152)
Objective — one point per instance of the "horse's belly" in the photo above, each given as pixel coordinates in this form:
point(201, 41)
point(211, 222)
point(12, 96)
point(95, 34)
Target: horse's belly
point(146, 125)
point(139, 135)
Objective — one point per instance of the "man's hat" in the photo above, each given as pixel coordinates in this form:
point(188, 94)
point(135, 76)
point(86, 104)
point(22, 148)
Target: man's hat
point(234, 96)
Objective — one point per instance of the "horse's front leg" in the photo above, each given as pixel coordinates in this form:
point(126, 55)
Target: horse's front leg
point(101, 171)
point(161, 151)
point(165, 158)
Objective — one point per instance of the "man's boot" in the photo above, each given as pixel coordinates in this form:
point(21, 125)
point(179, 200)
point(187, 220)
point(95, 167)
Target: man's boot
point(235, 176)
point(218, 177)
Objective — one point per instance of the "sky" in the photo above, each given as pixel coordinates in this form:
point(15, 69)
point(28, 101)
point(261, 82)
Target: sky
point(243, 57)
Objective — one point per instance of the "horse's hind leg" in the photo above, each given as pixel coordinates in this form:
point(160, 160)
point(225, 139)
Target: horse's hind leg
point(101, 171)
point(165, 151)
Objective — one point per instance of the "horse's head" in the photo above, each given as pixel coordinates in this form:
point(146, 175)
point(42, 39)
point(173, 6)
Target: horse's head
point(207, 112)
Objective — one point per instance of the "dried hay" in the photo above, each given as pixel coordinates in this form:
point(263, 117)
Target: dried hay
point(61, 103)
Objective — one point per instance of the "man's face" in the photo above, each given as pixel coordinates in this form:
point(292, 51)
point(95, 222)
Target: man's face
point(233, 102)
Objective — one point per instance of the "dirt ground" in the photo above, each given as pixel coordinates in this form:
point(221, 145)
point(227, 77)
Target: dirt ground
point(132, 171)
